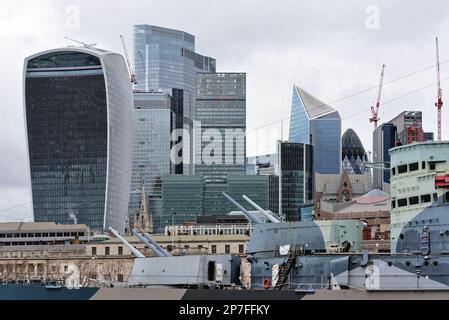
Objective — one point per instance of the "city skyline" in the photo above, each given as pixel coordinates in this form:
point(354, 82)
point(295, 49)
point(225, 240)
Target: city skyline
point(311, 58)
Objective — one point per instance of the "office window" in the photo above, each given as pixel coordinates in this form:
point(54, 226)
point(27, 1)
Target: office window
point(120, 250)
point(393, 171)
point(241, 248)
point(94, 251)
point(432, 166)
point(214, 249)
point(423, 165)
point(435, 197)
point(446, 197)
point(425, 198)
point(402, 202)
point(120, 278)
point(393, 204)
point(227, 248)
point(106, 251)
point(413, 166)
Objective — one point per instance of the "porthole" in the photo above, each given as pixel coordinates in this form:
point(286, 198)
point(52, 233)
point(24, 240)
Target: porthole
point(446, 233)
point(401, 236)
point(435, 263)
point(390, 263)
point(426, 263)
point(408, 263)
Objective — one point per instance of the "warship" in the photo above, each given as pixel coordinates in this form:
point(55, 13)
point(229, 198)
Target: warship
point(304, 259)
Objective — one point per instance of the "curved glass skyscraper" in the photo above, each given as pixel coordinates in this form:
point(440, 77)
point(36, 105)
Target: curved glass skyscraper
point(353, 154)
point(78, 115)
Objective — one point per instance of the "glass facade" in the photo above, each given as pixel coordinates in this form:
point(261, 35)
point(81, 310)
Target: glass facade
point(384, 138)
point(353, 154)
point(221, 107)
point(66, 110)
point(153, 123)
point(296, 178)
point(313, 122)
point(166, 59)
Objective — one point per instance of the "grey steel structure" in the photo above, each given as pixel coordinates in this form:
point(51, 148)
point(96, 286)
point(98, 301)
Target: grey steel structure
point(166, 59)
point(154, 121)
point(78, 119)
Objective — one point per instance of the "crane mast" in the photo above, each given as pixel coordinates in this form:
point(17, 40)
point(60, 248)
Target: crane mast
point(439, 103)
point(131, 71)
point(375, 109)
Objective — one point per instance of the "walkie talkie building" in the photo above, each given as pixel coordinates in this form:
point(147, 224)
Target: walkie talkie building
point(78, 114)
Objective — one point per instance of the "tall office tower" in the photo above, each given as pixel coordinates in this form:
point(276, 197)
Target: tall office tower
point(296, 179)
point(353, 153)
point(78, 113)
point(384, 138)
point(314, 122)
point(220, 145)
point(154, 120)
point(166, 59)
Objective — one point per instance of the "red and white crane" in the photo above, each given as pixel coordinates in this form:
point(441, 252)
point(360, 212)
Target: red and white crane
point(375, 109)
point(131, 71)
point(439, 102)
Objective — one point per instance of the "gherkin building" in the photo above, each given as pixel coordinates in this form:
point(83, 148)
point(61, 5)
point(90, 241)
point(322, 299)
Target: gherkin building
point(353, 153)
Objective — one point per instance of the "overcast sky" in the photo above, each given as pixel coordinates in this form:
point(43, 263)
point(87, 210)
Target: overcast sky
point(333, 49)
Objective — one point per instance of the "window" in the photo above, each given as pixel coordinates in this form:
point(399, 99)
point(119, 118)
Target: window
point(94, 251)
point(402, 169)
point(120, 250)
point(393, 204)
point(435, 197)
point(425, 198)
point(52, 234)
point(393, 171)
point(402, 202)
point(413, 200)
point(45, 235)
point(446, 197)
point(107, 251)
point(431, 166)
point(59, 234)
point(120, 278)
point(413, 166)
point(227, 248)
point(240, 248)
point(81, 234)
point(38, 235)
point(66, 234)
point(214, 249)
point(423, 165)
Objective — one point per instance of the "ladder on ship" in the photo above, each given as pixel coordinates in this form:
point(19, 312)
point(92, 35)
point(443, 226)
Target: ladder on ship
point(286, 266)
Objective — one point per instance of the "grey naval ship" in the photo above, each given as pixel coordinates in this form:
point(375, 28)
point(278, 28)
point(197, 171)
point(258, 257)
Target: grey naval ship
point(306, 259)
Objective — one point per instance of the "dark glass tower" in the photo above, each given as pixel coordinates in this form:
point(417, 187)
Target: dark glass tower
point(353, 153)
point(78, 107)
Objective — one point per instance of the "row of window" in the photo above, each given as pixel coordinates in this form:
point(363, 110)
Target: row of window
point(404, 168)
point(425, 198)
point(43, 235)
point(107, 250)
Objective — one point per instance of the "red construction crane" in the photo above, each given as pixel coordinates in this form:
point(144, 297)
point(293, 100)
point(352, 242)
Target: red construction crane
point(439, 102)
point(375, 110)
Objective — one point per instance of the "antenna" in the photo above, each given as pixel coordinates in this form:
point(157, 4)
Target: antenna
point(84, 44)
point(130, 69)
point(439, 102)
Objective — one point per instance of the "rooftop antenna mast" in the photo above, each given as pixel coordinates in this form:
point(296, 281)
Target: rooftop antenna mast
point(375, 110)
point(439, 102)
point(84, 44)
point(131, 71)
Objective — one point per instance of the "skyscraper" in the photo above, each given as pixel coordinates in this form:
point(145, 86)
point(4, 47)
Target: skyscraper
point(154, 121)
point(353, 153)
point(166, 59)
point(314, 122)
point(296, 179)
point(78, 114)
point(220, 146)
point(384, 138)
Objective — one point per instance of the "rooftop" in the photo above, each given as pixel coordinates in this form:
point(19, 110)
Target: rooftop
point(39, 226)
point(315, 108)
